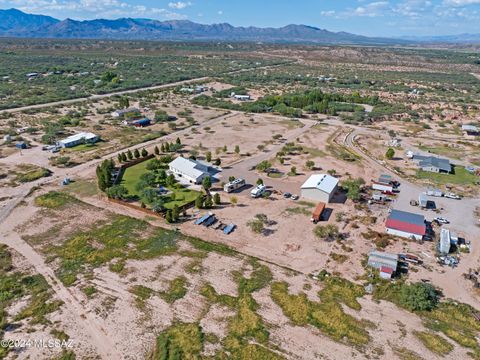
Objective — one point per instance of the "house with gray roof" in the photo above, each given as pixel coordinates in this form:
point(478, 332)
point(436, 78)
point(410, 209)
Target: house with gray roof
point(193, 171)
point(433, 164)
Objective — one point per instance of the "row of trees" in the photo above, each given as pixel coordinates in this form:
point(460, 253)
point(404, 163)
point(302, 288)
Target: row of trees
point(129, 155)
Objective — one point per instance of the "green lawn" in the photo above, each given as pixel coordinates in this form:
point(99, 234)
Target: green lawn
point(132, 175)
point(459, 176)
point(82, 147)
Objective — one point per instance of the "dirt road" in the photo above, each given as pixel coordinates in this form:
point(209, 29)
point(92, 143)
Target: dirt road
point(91, 324)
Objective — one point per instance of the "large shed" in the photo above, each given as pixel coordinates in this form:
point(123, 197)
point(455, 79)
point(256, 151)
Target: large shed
point(320, 188)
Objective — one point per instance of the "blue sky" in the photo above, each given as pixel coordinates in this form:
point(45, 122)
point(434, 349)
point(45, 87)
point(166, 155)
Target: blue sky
point(374, 18)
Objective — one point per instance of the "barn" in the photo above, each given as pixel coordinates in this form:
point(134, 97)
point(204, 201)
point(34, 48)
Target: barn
point(320, 188)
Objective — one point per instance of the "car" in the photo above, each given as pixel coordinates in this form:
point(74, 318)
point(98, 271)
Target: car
point(441, 220)
point(294, 197)
point(452, 196)
point(287, 195)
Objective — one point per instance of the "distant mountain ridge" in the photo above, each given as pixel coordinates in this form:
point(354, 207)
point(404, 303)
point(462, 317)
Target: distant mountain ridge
point(15, 23)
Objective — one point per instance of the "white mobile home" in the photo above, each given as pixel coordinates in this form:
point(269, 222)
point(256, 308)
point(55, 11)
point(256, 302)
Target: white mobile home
point(78, 139)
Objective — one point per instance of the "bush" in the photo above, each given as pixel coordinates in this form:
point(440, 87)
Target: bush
point(418, 297)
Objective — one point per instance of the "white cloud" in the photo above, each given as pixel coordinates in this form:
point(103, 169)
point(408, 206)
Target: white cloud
point(460, 2)
point(220, 12)
point(328, 13)
point(179, 5)
point(373, 9)
point(88, 9)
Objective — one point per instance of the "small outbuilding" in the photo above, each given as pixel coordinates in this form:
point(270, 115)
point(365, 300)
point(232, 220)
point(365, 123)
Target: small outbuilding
point(320, 188)
point(386, 263)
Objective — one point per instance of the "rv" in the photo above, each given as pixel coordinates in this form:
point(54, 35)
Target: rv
point(258, 191)
point(234, 185)
point(434, 192)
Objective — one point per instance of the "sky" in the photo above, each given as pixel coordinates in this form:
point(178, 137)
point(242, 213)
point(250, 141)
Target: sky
point(372, 18)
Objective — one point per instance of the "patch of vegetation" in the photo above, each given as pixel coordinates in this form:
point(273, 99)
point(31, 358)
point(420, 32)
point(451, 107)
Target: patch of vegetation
point(55, 200)
point(33, 175)
point(122, 238)
point(459, 176)
point(177, 289)
point(326, 315)
point(180, 341)
point(434, 342)
point(14, 286)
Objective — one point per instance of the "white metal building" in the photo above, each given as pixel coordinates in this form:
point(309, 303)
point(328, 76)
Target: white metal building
point(320, 187)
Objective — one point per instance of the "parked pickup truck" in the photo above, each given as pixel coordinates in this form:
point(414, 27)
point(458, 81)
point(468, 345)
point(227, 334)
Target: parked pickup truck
point(452, 196)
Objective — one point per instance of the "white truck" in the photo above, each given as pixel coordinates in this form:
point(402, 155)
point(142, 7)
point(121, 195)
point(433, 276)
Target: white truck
point(452, 196)
point(234, 185)
point(384, 188)
point(258, 191)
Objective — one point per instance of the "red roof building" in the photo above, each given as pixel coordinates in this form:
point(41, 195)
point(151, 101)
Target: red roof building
point(405, 224)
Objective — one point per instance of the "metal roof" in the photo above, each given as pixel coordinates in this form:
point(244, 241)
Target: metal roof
point(323, 182)
point(77, 137)
point(440, 163)
point(187, 166)
point(407, 222)
point(445, 241)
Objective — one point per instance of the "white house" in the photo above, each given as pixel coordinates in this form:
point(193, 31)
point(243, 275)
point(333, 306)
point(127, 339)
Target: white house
point(191, 170)
point(77, 139)
point(320, 187)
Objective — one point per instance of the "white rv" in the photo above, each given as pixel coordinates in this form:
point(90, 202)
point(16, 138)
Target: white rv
point(234, 185)
point(258, 191)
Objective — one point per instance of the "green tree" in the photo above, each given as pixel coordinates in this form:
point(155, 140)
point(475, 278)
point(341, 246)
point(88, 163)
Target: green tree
point(144, 152)
point(158, 205)
point(119, 157)
point(390, 154)
point(225, 149)
point(162, 147)
point(208, 202)
point(310, 164)
point(207, 183)
point(117, 192)
point(168, 217)
point(104, 174)
point(175, 213)
point(136, 153)
point(231, 178)
point(293, 170)
point(259, 181)
point(216, 199)
point(217, 162)
point(178, 141)
point(170, 181)
point(199, 202)
point(418, 297)
point(237, 149)
point(264, 165)
point(129, 155)
point(156, 150)
point(124, 102)
point(208, 156)
point(233, 200)
point(353, 187)
point(124, 157)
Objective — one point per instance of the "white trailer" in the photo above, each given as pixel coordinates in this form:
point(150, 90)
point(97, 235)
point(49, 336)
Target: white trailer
point(234, 185)
point(387, 188)
point(434, 192)
point(258, 191)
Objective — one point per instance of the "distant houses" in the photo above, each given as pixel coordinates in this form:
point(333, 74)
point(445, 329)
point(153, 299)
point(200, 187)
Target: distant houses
point(320, 187)
point(78, 139)
point(433, 164)
point(406, 225)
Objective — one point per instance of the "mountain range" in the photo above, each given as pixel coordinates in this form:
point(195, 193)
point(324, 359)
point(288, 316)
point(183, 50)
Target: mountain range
point(15, 23)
